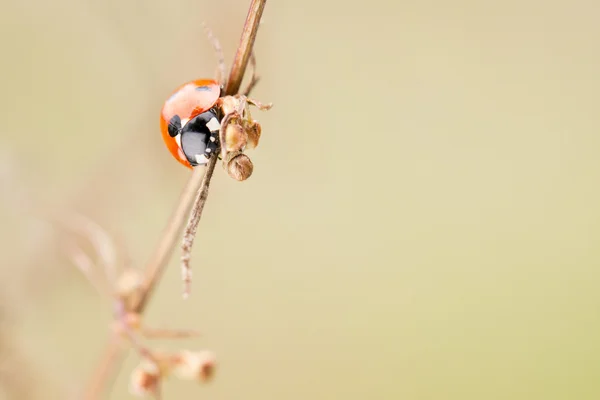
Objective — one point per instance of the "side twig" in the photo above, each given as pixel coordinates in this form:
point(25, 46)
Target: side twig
point(155, 268)
point(164, 250)
point(192, 226)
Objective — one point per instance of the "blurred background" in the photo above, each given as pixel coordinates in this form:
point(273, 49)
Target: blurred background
point(422, 222)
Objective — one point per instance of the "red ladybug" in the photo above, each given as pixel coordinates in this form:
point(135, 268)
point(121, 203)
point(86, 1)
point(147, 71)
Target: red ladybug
point(189, 122)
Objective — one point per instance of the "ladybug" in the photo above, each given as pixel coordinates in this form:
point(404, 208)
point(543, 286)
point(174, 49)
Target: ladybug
point(189, 122)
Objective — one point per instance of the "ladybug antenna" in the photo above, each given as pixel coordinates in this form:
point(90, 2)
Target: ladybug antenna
point(221, 73)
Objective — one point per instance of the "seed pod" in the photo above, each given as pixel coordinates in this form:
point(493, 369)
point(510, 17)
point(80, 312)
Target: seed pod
point(145, 379)
point(129, 287)
point(229, 104)
point(253, 131)
point(195, 365)
point(235, 137)
point(238, 165)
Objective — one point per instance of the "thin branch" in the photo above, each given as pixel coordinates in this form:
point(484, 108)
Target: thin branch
point(162, 333)
point(192, 225)
point(84, 263)
point(164, 250)
point(102, 243)
point(238, 68)
point(113, 353)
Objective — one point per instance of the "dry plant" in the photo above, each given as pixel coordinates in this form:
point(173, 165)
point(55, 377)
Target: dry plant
point(131, 289)
point(93, 251)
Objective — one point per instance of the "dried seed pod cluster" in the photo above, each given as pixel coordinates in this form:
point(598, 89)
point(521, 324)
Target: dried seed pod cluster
point(125, 287)
point(147, 377)
point(239, 132)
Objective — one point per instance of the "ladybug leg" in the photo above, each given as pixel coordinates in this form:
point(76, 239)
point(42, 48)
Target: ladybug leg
point(238, 130)
point(259, 105)
point(255, 78)
point(221, 73)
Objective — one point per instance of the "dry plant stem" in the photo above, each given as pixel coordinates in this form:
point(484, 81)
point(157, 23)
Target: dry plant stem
point(154, 271)
point(238, 68)
point(85, 264)
point(160, 259)
point(165, 247)
point(152, 333)
point(102, 244)
point(244, 51)
point(192, 225)
point(133, 340)
point(112, 355)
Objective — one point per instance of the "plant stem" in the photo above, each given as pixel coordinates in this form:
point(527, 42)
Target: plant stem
point(160, 259)
point(164, 250)
point(244, 52)
point(238, 68)
point(113, 353)
point(192, 225)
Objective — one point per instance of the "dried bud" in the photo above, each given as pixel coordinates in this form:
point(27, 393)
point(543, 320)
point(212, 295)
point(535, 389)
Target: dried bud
point(235, 138)
point(253, 131)
point(145, 379)
point(239, 166)
point(229, 104)
point(195, 365)
point(129, 287)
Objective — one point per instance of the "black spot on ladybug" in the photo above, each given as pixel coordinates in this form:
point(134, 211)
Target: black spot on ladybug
point(174, 126)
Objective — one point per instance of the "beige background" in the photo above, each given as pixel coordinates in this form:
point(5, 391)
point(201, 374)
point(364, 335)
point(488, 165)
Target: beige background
point(422, 223)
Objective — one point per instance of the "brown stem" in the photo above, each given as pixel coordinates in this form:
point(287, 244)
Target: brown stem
point(113, 353)
point(164, 250)
point(192, 225)
point(238, 68)
point(158, 262)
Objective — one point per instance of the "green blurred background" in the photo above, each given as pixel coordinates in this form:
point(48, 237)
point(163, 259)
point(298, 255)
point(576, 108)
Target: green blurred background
point(422, 222)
